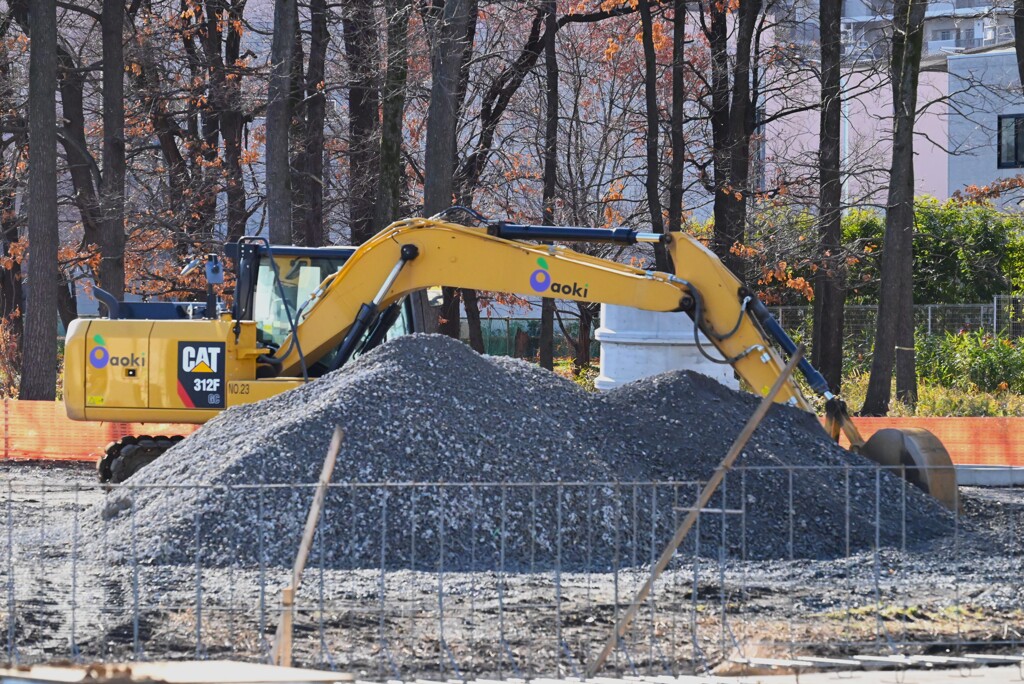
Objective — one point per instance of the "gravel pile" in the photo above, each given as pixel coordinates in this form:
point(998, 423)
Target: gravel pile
point(427, 409)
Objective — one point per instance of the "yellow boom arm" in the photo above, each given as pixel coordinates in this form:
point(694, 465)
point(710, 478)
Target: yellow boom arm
point(441, 253)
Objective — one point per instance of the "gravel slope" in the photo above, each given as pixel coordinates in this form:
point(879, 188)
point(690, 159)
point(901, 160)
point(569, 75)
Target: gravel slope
point(429, 409)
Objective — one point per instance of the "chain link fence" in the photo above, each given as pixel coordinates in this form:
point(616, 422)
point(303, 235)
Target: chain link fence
point(520, 337)
point(531, 586)
point(1004, 315)
point(859, 321)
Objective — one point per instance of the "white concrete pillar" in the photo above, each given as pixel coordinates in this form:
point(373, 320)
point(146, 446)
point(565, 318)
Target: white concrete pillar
point(636, 344)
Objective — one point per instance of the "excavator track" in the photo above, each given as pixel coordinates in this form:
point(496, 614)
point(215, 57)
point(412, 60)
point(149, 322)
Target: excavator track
point(124, 458)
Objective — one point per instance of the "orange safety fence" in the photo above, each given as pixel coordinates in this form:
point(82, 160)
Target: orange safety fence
point(40, 430)
point(969, 441)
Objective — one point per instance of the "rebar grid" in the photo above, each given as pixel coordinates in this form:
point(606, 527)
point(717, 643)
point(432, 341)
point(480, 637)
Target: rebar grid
point(529, 586)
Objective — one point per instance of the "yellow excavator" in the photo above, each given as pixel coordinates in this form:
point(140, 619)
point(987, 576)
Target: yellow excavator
point(298, 313)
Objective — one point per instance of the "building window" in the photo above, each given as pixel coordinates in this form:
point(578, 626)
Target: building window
point(1011, 141)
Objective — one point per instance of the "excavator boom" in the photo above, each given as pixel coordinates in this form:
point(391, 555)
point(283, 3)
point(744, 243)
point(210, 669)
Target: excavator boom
point(477, 258)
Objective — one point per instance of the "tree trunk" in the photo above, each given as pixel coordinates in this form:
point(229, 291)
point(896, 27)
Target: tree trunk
point(829, 282)
point(389, 184)
point(653, 180)
point(316, 116)
point(278, 162)
point(476, 336)
point(363, 104)
point(447, 28)
point(39, 366)
point(675, 185)
point(894, 336)
point(733, 104)
point(547, 312)
point(112, 238)
point(582, 359)
point(231, 125)
point(297, 137)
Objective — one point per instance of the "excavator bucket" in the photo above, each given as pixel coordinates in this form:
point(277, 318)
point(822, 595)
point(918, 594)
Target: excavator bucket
point(920, 456)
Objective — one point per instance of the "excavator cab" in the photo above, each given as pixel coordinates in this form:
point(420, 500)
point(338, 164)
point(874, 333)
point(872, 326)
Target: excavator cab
point(274, 284)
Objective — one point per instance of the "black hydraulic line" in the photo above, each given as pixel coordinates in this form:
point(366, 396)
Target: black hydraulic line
point(519, 231)
point(771, 326)
point(380, 329)
point(368, 312)
point(365, 316)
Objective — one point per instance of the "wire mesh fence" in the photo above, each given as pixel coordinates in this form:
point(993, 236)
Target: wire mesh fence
point(452, 580)
point(520, 337)
point(859, 322)
point(1004, 315)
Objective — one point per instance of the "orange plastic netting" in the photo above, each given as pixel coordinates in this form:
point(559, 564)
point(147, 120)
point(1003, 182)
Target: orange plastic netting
point(969, 441)
point(41, 430)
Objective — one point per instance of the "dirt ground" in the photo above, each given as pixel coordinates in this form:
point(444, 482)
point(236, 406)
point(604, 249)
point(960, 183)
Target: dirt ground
point(54, 603)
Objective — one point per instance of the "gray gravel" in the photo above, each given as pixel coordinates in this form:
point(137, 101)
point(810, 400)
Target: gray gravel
point(943, 598)
point(427, 409)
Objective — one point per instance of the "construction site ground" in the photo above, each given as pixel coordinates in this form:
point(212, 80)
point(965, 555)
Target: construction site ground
point(384, 625)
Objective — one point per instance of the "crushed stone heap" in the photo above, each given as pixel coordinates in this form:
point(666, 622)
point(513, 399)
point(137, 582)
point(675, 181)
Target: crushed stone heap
point(427, 409)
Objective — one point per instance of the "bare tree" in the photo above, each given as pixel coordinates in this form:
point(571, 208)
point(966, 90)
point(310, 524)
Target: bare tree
point(547, 318)
point(677, 165)
point(11, 154)
point(112, 237)
point(39, 359)
point(310, 118)
point(653, 179)
point(363, 116)
point(447, 27)
point(894, 335)
point(733, 113)
point(278, 162)
point(829, 288)
point(389, 186)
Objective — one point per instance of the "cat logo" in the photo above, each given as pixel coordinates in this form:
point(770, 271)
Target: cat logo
point(201, 374)
point(205, 359)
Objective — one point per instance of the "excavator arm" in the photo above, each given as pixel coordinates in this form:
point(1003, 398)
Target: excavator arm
point(420, 253)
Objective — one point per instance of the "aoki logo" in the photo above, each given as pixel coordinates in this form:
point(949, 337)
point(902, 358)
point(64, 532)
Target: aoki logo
point(99, 357)
point(540, 280)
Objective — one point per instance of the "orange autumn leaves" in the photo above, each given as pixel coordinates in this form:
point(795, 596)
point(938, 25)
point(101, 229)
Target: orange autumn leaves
point(776, 277)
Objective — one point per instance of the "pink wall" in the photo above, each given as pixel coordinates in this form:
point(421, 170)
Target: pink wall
point(792, 141)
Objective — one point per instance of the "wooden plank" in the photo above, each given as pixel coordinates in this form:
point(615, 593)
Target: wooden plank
point(691, 518)
point(283, 637)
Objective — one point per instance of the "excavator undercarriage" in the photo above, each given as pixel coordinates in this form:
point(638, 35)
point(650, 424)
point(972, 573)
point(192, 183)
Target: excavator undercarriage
point(123, 458)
